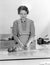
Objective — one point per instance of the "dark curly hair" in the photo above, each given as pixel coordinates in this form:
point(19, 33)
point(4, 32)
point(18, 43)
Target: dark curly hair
point(23, 8)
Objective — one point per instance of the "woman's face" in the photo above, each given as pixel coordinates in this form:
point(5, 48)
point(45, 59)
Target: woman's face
point(23, 14)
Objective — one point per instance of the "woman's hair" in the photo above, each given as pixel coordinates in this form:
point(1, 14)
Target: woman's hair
point(23, 8)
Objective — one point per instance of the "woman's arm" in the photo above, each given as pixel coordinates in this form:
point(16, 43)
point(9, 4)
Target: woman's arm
point(15, 33)
point(32, 34)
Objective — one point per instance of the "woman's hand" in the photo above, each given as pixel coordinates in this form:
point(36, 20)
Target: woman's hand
point(25, 47)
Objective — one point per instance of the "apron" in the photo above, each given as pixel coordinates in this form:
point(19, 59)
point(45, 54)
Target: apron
point(23, 31)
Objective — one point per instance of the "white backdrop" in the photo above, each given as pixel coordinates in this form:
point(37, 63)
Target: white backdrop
point(39, 13)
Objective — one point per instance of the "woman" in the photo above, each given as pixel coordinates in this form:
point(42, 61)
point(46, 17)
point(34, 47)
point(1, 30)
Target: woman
point(23, 28)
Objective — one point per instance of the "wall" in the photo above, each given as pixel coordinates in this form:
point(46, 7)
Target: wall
point(39, 13)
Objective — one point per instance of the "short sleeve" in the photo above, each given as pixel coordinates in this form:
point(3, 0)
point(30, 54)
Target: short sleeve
point(32, 29)
point(15, 28)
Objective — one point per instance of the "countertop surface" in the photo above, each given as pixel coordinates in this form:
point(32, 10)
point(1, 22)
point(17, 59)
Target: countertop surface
point(40, 53)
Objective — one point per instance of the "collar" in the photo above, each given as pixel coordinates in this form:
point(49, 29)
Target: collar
point(24, 21)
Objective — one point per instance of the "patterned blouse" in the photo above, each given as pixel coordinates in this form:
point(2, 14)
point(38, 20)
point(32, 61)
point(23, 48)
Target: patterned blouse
point(24, 30)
